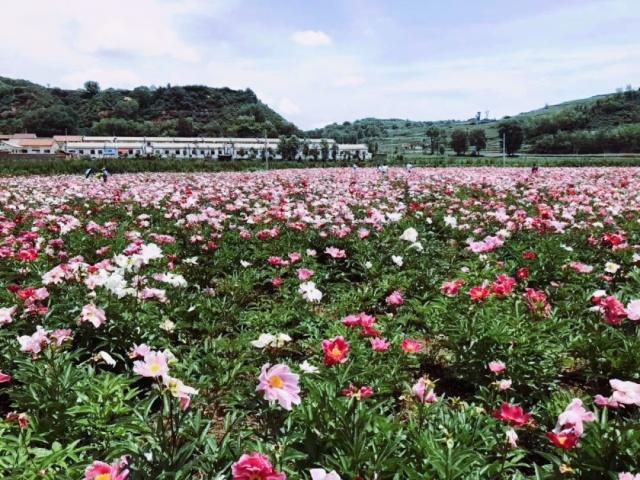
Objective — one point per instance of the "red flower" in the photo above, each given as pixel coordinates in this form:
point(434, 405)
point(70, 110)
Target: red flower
point(28, 255)
point(614, 311)
point(522, 274)
point(335, 351)
point(479, 294)
point(512, 414)
point(410, 345)
point(503, 286)
point(529, 255)
point(564, 440)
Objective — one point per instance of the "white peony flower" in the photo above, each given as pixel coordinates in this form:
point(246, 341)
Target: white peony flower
point(409, 235)
point(306, 367)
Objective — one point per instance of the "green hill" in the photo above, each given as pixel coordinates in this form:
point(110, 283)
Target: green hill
point(603, 123)
point(192, 110)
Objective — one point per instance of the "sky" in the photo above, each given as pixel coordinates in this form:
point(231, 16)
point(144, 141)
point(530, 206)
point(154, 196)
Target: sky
point(323, 61)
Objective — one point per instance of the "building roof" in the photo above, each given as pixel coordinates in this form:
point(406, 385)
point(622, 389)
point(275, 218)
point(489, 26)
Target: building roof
point(67, 138)
point(32, 142)
point(24, 135)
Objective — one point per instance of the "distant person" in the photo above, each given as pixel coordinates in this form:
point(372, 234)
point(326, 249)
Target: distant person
point(105, 174)
point(409, 167)
point(534, 169)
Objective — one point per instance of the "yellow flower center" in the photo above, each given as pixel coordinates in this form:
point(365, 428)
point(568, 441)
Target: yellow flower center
point(104, 476)
point(155, 369)
point(335, 353)
point(276, 382)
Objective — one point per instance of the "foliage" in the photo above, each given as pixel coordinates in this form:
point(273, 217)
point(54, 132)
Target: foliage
point(156, 111)
point(431, 323)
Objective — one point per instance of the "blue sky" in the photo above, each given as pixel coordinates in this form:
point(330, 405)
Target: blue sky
point(317, 62)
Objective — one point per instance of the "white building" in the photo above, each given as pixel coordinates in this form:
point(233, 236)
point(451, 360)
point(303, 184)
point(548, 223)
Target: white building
point(215, 148)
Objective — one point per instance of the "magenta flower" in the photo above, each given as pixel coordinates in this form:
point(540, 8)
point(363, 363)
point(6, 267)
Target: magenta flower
point(4, 378)
point(255, 466)
point(103, 471)
point(278, 383)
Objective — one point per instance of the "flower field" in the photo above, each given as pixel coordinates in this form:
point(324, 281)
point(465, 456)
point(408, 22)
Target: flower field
point(459, 323)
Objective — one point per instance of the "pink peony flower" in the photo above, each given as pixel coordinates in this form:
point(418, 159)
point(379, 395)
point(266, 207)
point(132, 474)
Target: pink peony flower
point(93, 315)
point(154, 365)
point(6, 315)
point(627, 393)
point(103, 471)
point(255, 466)
point(305, 274)
point(279, 384)
point(4, 378)
point(139, 351)
point(497, 367)
point(573, 418)
point(452, 288)
point(605, 402)
point(632, 310)
point(395, 299)
point(379, 344)
point(322, 474)
point(423, 391)
point(34, 343)
point(334, 252)
point(628, 476)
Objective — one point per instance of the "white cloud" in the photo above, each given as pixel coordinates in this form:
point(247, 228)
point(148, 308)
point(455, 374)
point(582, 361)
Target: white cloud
point(349, 81)
point(311, 38)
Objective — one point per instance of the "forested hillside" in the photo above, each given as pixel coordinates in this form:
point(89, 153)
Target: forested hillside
point(601, 124)
point(152, 111)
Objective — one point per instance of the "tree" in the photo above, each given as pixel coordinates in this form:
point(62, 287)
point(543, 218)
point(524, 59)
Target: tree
point(512, 131)
point(459, 141)
point(49, 121)
point(478, 140)
point(184, 128)
point(288, 147)
point(433, 133)
point(91, 87)
point(324, 149)
point(334, 151)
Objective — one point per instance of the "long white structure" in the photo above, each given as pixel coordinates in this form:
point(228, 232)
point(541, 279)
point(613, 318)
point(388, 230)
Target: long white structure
point(215, 148)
